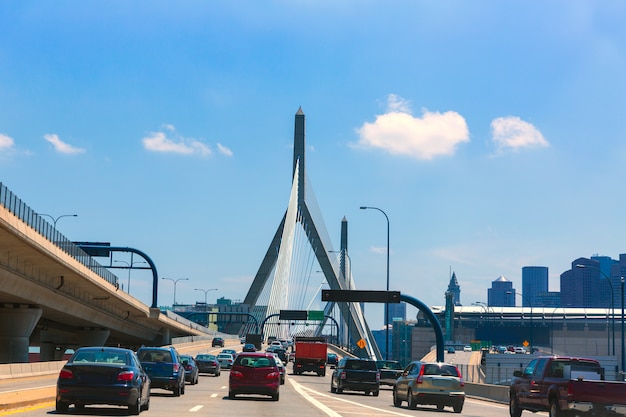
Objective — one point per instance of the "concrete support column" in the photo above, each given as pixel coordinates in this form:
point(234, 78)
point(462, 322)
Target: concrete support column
point(17, 322)
point(92, 337)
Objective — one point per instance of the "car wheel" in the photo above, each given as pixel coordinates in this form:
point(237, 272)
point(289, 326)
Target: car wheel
point(411, 400)
point(367, 393)
point(375, 393)
point(439, 407)
point(555, 411)
point(231, 395)
point(275, 397)
point(135, 409)
point(146, 406)
point(182, 388)
point(397, 402)
point(62, 406)
point(339, 390)
point(177, 391)
point(514, 409)
point(458, 407)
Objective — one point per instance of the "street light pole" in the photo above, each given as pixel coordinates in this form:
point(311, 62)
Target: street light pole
point(612, 301)
point(175, 281)
point(623, 356)
point(56, 219)
point(205, 293)
point(386, 304)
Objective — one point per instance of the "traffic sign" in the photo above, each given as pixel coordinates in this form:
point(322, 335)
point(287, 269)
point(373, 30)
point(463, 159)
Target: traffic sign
point(361, 343)
point(293, 315)
point(361, 296)
point(316, 315)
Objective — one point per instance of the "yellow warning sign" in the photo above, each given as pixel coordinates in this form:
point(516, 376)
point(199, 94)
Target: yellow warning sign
point(361, 343)
point(525, 343)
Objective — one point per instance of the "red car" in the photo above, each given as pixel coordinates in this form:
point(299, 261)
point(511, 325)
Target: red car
point(254, 373)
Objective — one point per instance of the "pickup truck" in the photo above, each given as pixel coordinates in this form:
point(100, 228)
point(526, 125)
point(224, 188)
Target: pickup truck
point(164, 368)
point(353, 374)
point(390, 371)
point(566, 386)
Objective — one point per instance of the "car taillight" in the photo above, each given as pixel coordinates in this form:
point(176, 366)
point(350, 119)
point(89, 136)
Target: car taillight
point(377, 376)
point(420, 377)
point(66, 374)
point(126, 376)
point(462, 383)
point(236, 374)
point(342, 375)
point(175, 367)
point(273, 375)
point(188, 367)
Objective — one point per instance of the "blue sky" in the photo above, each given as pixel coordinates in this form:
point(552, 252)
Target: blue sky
point(491, 133)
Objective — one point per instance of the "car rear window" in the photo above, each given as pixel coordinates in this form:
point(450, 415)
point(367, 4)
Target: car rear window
point(361, 365)
point(100, 357)
point(255, 361)
point(155, 355)
point(435, 369)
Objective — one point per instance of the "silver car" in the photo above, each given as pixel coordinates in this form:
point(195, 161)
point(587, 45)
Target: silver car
point(226, 360)
point(432, 383)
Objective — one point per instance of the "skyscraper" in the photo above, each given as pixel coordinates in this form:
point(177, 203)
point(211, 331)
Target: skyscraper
point(534, 282)
point(501, 293)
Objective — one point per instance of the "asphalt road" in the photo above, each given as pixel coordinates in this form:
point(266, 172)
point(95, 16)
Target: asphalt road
point(302, 395)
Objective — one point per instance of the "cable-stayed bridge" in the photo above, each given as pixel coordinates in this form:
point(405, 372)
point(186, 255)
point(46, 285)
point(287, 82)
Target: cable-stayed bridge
point(286, 279)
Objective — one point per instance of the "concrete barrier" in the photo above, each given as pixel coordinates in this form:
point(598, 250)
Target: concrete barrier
point(24, 370)
point(498, 393)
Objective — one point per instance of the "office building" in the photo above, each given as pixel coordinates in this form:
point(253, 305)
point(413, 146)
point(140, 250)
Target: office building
point(534, 282)
point(501, 293)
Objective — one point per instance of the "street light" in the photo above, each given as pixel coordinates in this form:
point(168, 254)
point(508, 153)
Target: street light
point(56, 219)
point(486, 307)
point(386, 304)
point(531, 317)
point(175, 281)
point(205, 293)
point(582, 266)
point(130, 266)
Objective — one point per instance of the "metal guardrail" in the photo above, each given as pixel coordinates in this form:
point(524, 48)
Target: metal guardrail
point(22, 211)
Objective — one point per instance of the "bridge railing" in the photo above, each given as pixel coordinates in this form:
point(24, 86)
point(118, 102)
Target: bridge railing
point(22, 211)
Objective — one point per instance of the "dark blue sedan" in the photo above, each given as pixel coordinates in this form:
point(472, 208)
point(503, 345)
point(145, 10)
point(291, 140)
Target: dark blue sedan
point(103, 375)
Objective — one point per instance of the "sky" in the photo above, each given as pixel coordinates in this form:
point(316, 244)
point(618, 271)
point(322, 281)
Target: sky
point(492, 134)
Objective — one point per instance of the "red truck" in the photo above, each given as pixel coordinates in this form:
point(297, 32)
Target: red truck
point(566, 386)
point(311, 354)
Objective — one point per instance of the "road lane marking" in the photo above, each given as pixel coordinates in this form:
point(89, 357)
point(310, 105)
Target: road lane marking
point(214, 395)
point(300, 389)
point(196, 408)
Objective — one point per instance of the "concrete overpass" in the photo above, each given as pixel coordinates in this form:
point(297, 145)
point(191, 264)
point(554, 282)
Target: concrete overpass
point(54, 296)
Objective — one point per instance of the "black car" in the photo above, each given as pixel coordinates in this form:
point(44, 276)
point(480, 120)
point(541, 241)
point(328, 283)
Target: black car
point(103, 375)
point(191, 369)
point(208, 364)
point(164, 367)
point(249, 347)
point(217, 342)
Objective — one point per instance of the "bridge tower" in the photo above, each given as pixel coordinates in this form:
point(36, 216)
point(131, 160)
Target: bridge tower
point(335, 275)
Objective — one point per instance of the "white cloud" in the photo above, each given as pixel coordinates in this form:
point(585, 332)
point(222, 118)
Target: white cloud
point(399, 133)
point(61, 146)
point(6, 142)
point(159, 142)
point(512, 134)
point(224, 150)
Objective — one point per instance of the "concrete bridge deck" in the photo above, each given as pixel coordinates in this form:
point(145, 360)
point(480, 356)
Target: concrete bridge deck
point(54, 300)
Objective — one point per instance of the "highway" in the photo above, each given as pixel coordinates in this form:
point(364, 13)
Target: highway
point(303, 395)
